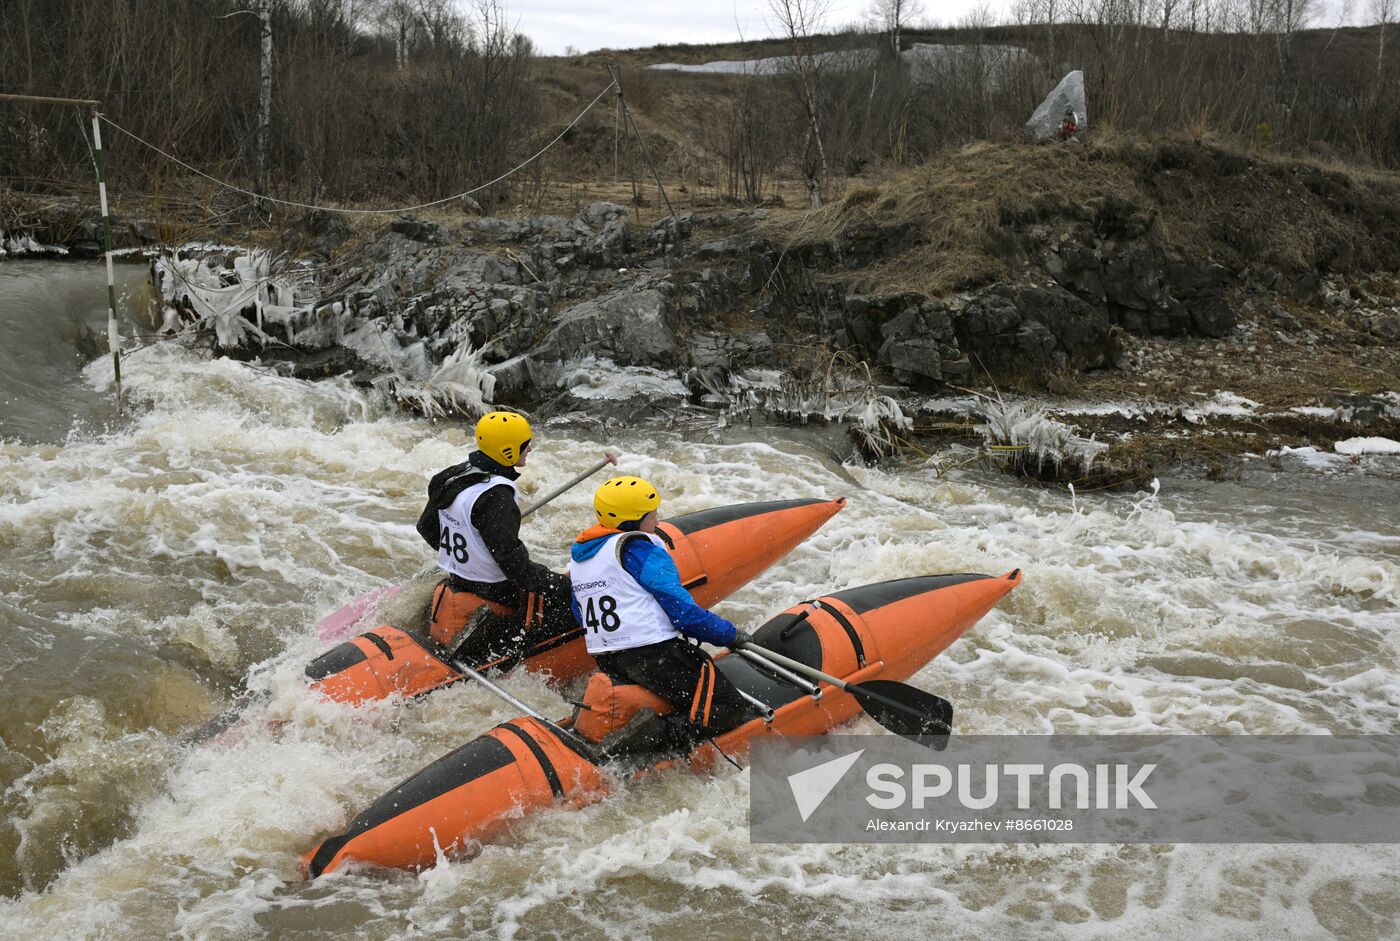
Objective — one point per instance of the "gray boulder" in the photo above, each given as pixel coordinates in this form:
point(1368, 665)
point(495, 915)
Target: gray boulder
point(668, 232)
point(985, 316)
point(916, 361)
point(419, 230)
point(505, 230)
point(736, 246)
point(916, 341)
point(1384, 325)
point(556, 227)
point(1212, 316)
point(600, 214)
point(1044, 124)
point(1079, 330)
point(870, 318)
point(632, 327)
point(1027, 330)
point(469, 271)
point(515, 381)
point(728, 350)
point(393, 268)
point(609, 247)
point(322, 231)
point(506, 325)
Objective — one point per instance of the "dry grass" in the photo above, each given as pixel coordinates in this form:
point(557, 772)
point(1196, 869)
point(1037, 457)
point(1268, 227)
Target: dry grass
point(958, 202)
point(974, 207)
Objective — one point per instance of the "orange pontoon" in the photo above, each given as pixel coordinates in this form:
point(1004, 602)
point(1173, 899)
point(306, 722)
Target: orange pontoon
point(887, 631)
point(717, 551)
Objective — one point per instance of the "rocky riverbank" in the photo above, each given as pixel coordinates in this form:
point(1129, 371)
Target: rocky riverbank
point(927, 310)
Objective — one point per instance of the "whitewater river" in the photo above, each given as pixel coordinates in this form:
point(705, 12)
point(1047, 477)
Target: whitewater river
point(153, 567)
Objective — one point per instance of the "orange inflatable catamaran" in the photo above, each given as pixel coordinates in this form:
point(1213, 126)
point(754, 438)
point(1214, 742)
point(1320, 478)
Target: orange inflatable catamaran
point(717, 552)
point(885, 631)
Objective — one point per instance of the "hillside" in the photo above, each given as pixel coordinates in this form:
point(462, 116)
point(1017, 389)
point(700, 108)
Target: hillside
point(1334, 96)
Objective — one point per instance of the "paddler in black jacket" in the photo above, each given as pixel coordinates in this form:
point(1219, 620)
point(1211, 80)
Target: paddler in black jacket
point(472, 519)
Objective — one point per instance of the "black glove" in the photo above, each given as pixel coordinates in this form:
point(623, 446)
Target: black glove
point(741, 637)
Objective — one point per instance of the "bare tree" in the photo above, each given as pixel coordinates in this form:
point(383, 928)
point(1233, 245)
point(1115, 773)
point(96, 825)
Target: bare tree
point(264, 94)
point(799, 21)
point(399, 20)
point(1383, 12)
point(891, 15)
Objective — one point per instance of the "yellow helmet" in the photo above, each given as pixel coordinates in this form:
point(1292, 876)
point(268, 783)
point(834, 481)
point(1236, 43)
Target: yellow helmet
point(624, 500)
point(503, 437)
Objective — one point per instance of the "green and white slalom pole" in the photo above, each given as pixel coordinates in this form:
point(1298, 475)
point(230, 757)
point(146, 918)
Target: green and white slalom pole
point(114, 339)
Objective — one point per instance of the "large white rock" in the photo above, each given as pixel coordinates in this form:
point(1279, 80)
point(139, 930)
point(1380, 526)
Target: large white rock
point(1045, 123)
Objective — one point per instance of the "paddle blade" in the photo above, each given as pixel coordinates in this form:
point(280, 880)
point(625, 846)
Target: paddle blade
point(906, 711)
point(339, 625)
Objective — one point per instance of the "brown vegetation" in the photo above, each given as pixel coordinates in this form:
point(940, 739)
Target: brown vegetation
point(971, 206)
point(1245, 74)
point(391, 97)
point(403, 101)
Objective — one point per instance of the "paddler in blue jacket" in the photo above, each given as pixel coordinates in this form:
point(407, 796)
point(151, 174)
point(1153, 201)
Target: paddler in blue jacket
point(627, 595)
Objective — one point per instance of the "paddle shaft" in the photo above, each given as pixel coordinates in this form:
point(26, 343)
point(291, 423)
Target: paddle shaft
point(609, 459)
point(812, 672)
point(531, 712)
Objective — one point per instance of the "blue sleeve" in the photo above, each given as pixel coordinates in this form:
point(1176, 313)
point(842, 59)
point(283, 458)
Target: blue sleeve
point(656, 571)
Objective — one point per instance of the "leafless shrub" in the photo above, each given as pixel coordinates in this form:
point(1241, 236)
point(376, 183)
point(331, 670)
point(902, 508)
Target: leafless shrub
point(751, 153)
point(370, 97)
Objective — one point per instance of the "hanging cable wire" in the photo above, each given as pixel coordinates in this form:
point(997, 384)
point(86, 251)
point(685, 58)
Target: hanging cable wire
point(364, 212)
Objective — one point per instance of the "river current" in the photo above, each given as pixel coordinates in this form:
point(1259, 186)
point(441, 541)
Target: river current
point(154, 566)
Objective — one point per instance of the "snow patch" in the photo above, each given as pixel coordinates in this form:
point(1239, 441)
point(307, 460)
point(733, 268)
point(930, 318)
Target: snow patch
point(1221, 405)
point(1316, 411)
point(1309, 456)
point(594, 378)
point(1353, 446)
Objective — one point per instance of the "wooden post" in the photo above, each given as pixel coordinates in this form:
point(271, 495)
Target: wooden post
point(37, 100)
point(631, 162)
point(627, 113)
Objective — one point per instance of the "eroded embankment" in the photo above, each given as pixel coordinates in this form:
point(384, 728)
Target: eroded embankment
point(1148, 277)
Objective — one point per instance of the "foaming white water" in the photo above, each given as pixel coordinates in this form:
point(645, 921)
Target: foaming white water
point(237, 507)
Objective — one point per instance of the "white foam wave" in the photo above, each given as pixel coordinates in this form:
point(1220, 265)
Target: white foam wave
point(236, 506)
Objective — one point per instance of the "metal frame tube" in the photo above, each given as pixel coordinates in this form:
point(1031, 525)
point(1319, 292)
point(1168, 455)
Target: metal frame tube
point(812, 689)
point(764, 710)
point(774, 659)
